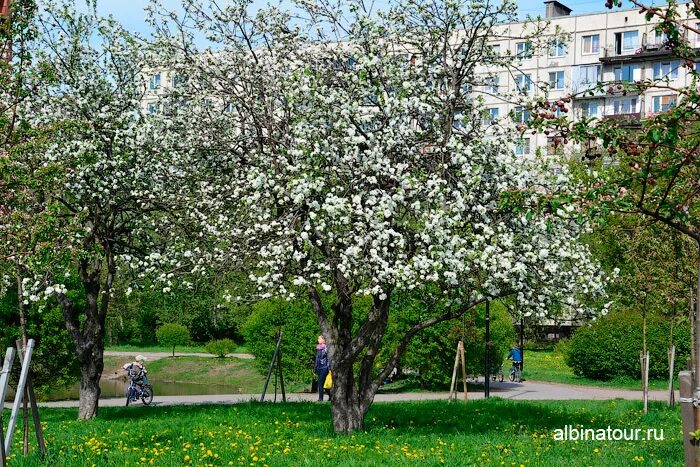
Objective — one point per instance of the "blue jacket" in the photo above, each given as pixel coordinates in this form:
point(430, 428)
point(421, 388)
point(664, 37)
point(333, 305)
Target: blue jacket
point(516, 355)
point(321, 362)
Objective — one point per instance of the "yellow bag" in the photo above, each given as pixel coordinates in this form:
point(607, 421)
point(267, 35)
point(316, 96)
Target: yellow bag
point(328, 383)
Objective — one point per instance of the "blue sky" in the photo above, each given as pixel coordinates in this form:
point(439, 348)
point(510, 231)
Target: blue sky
point(131, 13)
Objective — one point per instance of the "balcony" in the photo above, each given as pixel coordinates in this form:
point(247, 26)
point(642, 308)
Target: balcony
point(629, 119)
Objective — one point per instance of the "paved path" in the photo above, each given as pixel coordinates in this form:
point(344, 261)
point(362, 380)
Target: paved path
point(158, 355)
point(529, 390)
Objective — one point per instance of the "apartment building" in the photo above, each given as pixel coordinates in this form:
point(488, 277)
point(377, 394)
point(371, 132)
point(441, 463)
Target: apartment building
point(614, 46)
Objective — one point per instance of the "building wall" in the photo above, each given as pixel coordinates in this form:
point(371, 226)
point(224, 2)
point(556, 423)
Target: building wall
point(643, 54)
point(581, 69)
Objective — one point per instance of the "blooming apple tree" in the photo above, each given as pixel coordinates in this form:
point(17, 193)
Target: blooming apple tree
point(115, 197)
point(352, 160)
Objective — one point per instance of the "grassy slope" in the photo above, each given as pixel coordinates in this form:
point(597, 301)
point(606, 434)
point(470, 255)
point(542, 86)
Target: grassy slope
point(494, 432)
point(231, 371)
point(542, 365)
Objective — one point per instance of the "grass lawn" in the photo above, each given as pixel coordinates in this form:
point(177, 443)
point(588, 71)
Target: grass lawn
point(159, 348)
point(545, 365)
point(493, 432)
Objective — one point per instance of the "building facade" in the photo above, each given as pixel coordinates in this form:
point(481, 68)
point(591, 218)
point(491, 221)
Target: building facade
point(613, 47)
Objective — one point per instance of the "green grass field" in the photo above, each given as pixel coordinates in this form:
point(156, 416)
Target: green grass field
point(544, 365)
point(493, 432)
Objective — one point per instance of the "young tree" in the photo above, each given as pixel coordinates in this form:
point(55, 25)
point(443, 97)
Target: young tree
point(362, 168)
point(173, 334)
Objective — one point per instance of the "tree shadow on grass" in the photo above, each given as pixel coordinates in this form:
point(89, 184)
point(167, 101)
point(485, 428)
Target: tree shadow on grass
point(428, 417)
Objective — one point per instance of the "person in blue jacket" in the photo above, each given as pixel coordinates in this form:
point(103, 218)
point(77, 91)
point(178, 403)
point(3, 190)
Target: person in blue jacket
point(321, 366)
point(517, 356)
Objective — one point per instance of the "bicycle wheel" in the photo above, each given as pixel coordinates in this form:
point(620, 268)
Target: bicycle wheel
point(147, 396)
point(128, 397)
point(511, 375)
point(500, 377)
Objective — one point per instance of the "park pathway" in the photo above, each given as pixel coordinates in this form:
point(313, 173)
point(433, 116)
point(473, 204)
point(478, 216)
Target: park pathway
point(531, 390)
point(158, 355)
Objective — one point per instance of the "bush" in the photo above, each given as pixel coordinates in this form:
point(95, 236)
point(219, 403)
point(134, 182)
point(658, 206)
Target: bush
point(562, 347)
point(299, 327)
point(173, 334)
point(610, 347)
point(220, 347)
point(431, 353)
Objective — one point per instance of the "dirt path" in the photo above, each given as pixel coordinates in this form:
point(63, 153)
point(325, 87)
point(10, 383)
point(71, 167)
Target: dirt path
point(506, 390)
point(158, 355)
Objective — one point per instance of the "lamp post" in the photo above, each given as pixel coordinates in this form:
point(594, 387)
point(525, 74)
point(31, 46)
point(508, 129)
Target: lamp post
point(487, 357)
point(522, 346)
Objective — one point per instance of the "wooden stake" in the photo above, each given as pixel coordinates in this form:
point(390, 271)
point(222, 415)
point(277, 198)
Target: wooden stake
point(460, 347)
point(671, 364)
point(644, 360)
point(4, 381)
point(30, 396)
point(454, 374)
point(18, 396)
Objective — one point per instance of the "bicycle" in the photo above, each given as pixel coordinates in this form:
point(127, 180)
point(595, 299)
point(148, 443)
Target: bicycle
point(515, 374)
point(497, 374)
point(139, 391)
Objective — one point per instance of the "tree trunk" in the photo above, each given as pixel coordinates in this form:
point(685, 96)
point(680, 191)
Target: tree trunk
point(87, 330)
point(91, 366)
point(346, 407)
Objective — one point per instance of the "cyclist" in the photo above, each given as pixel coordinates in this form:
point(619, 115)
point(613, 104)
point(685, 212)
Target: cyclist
point(136, 371)
point(516, 355)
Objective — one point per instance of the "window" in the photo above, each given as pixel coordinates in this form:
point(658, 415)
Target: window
point(626, 41)
point(177, 80)
point(521, 114)
point(152, 108)
point(660, 38)
point(625, 72)
point(522, 147)
point(697, 35)
point(556, 80)
point(523, 50)
point(666, 69)
point(154, 82)
point(662, 103)
point(228, 108)
point(589, 74)
point(591, 44)
point(491, 116)
point(589, 109)
point(491, 84)
point(557, 48)
point(458, 121)
point(625, 106)
point(523, 83)
point(495, 50)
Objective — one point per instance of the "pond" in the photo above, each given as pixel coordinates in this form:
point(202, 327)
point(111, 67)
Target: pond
point(117, 388)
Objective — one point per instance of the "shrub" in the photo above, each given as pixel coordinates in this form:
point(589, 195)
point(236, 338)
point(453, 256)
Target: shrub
point(299, 327)
point(220, 347)
point(561, 348)
point(431, 353)
point(610, 347)
point(173, 334)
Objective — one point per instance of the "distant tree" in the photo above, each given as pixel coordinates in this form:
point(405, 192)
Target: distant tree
point(173, 334)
